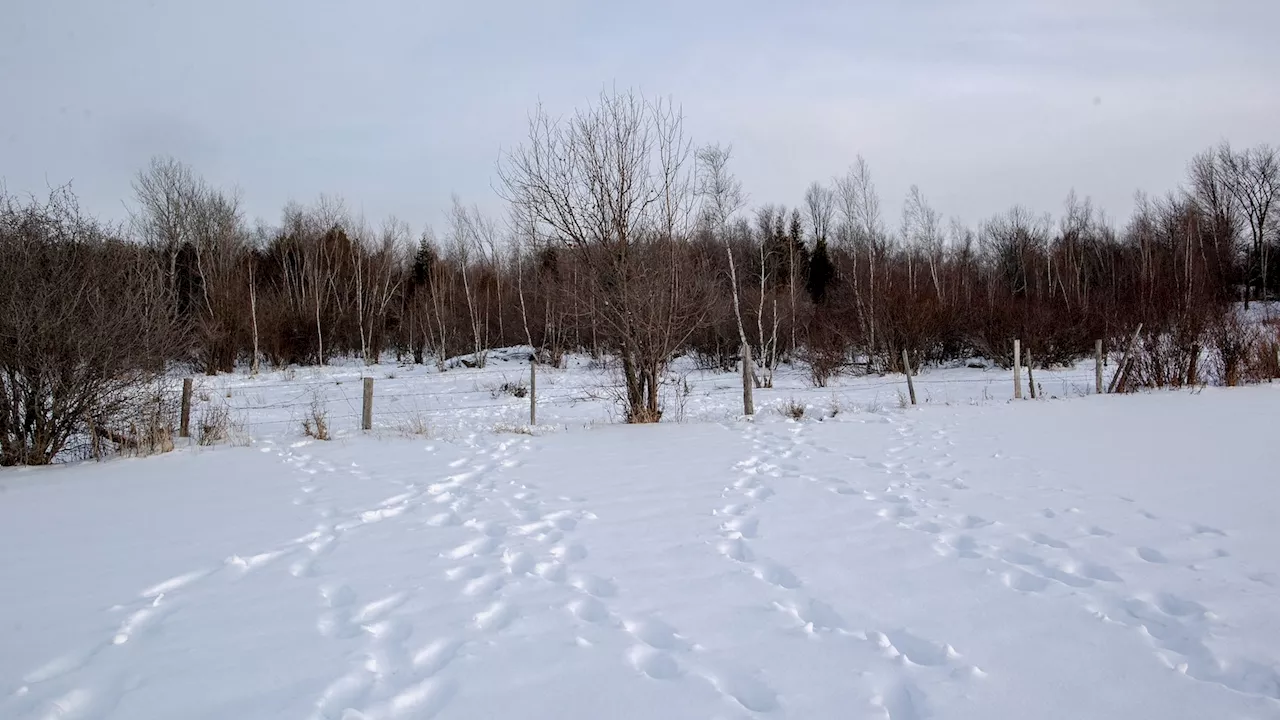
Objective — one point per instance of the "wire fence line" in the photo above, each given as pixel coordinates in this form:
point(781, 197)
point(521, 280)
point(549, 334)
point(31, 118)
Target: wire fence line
point(409, 397)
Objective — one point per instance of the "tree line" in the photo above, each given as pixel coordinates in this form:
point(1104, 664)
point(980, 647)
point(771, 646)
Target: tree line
point(623, 239)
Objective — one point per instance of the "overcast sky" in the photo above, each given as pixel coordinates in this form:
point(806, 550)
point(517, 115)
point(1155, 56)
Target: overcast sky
point(394, 105)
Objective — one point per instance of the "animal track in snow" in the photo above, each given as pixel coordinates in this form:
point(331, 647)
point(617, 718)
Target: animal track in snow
point(1023, 581)
point(654, 663)
point(495, 617)
point(435, 656)
point(63, 664)
point(1151, 555)
point(348, 691)
point(1045, 540)
point(732, 509)
point(903, 701)
point(656, 634)
point(594, 586)
point(253, 562)
point(569, 552)
point(897, 512)
point(746, 527)
point(814, 615)
point(518, 563)
point(483, 585)
point(378, 609)
point(1180, 627)
point(745, 689)
point(488, 528)
point(735, 549)
point(776, 574)
point(916, 650)
point(174, 583)
point(552, 571)
point(422, 700)
point(479, 546)
point(963, 546)
point(588, 609)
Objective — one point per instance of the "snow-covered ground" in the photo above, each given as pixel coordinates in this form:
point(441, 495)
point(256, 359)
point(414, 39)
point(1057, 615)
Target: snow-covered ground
point(1079, 557)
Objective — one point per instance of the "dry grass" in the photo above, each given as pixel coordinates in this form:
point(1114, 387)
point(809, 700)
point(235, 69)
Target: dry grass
point(316, 422)
point(792, 409)
point(214, 424)
point(147, 426)
point(414, 425)
point(514, 389)
point(505, 428)
point(217, 424)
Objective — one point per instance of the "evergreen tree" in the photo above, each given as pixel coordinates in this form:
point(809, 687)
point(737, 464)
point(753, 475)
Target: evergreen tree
point(822, 272)
point(423, 260)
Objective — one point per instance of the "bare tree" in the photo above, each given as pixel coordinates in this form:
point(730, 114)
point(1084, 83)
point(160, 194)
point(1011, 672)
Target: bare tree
point(1252, 177)
point(820, 204)
point(722, 197)
point(256, 355)
point(613, 183)
point(200, 232)
point(863, 239)
point(165, 191)
point(377, 279)
point(922, 231)
point(469, 231)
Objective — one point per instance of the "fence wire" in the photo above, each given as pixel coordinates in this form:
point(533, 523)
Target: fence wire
point(408, 398)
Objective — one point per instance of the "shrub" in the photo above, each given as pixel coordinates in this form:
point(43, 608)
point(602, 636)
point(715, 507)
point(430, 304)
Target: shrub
point(1232, 342)
point(82, 336)
point(1264, 362)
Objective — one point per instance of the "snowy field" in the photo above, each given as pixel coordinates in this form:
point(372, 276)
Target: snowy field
point(1074, 557)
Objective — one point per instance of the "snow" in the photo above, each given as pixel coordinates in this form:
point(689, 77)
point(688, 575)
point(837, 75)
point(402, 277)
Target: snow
point(1084, 557)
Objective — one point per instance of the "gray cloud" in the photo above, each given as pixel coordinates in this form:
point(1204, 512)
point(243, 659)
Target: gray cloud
point(393, 105)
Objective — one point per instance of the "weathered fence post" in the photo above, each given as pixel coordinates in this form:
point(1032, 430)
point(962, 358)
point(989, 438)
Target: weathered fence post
point(1097, 379)
point(184, 425)
point(366, 417)
point(1031, 377)
point(1017, 370)
point(533, 392)
point(911, 385)
point(1121, 378)
point(748, 400)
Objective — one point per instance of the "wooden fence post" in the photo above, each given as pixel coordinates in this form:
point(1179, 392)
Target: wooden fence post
point(533, 392)
point(1097, 380)
point(1121, 378)
point(1017, 370)
point(911, 385)
point(1031, 377)
point(748, 400)
point(184, 426)
point(366, 418)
